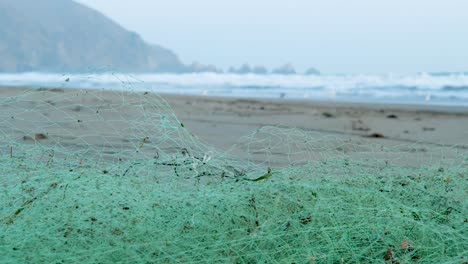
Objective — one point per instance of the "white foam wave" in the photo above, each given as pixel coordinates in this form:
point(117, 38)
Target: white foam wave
point(448, 88)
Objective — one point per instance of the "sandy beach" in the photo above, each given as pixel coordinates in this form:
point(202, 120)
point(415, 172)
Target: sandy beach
point(222, 122)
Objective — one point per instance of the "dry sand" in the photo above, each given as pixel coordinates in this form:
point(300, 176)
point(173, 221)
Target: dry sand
point(220, 122)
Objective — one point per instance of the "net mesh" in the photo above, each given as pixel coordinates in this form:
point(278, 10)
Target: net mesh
point(92, 176)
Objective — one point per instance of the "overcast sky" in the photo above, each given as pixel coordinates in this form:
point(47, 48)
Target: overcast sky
point(335, 36)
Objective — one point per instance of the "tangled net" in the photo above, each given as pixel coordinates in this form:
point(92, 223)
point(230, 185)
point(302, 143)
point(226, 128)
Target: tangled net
point(110, 177)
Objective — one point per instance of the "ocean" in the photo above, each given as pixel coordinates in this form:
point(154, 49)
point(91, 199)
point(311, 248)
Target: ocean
point(421, 88)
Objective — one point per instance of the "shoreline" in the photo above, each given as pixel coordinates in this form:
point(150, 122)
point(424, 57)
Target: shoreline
point(394, 106)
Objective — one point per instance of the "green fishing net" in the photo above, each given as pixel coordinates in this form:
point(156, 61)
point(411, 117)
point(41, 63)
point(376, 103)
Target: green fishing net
point(92, 176)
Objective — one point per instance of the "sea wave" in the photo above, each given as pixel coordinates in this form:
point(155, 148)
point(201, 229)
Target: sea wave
point(419, 88)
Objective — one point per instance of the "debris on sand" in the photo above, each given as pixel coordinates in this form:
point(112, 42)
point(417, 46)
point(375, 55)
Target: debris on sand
point(37, 136)
point(376, 135)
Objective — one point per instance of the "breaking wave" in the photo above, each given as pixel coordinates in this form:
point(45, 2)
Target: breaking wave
point(420, 88)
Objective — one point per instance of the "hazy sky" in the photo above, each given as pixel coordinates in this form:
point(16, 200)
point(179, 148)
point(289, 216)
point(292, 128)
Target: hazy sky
point(335, 36)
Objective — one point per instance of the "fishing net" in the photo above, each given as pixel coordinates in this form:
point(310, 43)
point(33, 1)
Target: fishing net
point(92, 176)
